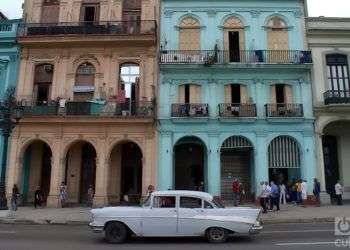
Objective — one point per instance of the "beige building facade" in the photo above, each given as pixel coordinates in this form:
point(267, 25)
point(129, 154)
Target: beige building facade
point(87, 88)
point(329, 40)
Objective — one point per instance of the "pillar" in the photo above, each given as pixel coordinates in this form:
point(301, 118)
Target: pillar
point(213, 165)
point(165, 165)
point(147, 164)
point(102, 172)
point(261, 162)
point(13, 164)
point(308, 170)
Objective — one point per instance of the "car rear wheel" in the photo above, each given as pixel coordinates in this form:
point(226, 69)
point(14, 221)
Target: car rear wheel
point(116, 232)
point(216, 235)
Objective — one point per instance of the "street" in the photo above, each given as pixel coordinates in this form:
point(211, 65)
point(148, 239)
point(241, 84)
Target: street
point(55, 237)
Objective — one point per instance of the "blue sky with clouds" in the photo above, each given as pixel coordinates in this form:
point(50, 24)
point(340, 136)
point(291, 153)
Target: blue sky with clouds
point(339, 8)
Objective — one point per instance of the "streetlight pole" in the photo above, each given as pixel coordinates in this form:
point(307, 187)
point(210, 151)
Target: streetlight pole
point(8, 109)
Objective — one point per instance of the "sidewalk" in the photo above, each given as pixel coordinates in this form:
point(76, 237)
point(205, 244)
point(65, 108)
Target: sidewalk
point(81, 216)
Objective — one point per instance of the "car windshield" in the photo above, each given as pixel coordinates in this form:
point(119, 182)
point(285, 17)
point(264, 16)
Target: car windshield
point(218, 203)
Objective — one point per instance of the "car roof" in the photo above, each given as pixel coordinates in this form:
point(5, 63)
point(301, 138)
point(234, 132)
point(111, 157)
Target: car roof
point(198, 194)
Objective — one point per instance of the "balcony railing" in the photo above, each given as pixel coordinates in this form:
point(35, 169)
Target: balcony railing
point(232, 110)
point(189, 110)
point(88, 28)
point(337, 97)
point(97, 109)
point(209, 57)
point(284, 110)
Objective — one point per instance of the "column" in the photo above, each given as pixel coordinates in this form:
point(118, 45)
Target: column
point(261, 162)
point(165, 165)
point(308, 170)
point(260, 98)
point(324, 196)
point(214, 174)
point(13, 164)
point(102, 173)
point(148, 167)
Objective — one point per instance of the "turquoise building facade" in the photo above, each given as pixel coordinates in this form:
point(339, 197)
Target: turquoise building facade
point(235, 95)
point(9, 61)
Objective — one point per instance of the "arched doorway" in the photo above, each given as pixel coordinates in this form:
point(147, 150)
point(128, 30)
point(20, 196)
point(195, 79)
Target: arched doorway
point(236, 162)
point(80, 171)
point(36, 170)
point(336, 143)
point(190, 160)
point(284, 160)
point(125, 178)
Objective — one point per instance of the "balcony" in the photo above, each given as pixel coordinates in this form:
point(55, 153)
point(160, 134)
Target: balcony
point(75, 31)
point(89, 109)
point(209, 57)
point(283, 110)
point(237, 110)
point(336, 97)
point(193, 110)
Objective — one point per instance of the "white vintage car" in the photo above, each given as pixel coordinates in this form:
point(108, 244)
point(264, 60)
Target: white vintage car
point(176, 214)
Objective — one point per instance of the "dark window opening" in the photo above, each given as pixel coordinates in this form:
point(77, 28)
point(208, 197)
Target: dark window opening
point(43, 93)
point(89, 15)
point(187, 93)
point(236, 93)
point(338, 74)
point(331, 164)
point(233, 37)
point(280, 93)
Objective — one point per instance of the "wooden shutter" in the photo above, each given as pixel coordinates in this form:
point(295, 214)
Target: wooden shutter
point(273, 94)
point(189, 39)
point(288, 94)
point(182, 94)
point(244, 94)
point(228, 93)
point(278, 39)
point(195, 94)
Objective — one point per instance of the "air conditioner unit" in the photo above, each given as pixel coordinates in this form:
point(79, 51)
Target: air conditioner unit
point(48, 68)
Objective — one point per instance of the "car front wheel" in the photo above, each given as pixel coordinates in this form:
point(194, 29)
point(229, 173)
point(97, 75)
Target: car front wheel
point(116, 232)
point(216, 235)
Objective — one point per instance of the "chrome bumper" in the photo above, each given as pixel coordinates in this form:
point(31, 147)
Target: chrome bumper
point(96, 229)
point(255, 229)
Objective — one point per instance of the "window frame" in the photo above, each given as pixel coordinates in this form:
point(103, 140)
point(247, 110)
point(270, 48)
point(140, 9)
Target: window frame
point(190, 197)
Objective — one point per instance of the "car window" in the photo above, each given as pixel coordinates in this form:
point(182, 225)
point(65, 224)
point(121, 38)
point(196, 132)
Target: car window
point(190, 202)
point(164, 202)
point(207, 205)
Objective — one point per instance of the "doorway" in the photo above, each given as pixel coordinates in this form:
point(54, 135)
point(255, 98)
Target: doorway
point(234, 49)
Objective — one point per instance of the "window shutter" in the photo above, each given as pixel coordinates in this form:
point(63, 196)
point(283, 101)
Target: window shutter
point(288, 94)
point(189, 39)
point(228, 94)
point(195, 94)
point(278, 40)
point(273, 94)
point(244, 94)
point(182, 94)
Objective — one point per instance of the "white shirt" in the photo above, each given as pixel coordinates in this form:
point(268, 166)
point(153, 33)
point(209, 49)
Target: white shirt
point(338, 189)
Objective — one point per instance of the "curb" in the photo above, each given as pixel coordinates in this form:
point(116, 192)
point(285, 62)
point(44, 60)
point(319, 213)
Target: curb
point(296, 221)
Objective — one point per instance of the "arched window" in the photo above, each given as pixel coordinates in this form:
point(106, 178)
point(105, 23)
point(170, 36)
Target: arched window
point(277, 35)
point(338, 74)
point(50, 11)
point(234, 41)
point(43, 77)
point(84, 82)
point(189, 38)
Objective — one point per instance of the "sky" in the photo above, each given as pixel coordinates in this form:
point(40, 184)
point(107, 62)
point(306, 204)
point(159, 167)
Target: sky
point(336, 8)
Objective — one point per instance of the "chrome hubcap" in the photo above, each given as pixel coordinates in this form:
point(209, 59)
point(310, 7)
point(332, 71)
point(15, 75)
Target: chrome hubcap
point(217, 234)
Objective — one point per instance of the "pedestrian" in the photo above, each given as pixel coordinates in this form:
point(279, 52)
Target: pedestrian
point(339, 193)
point(236, 189)
point(263, 196)
point(90, 196)
point(268, 190)
point(274, 197)
point(317, 190)
point(14, 197)
point(63, 194)
point(304, 190)
point(150, 190)
point(283, 191)
point(298, 191)
point(38, 197)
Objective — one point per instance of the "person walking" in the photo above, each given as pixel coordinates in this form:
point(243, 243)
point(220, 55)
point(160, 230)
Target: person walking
point(317, 190)
point(14, 197)
point(236, 189)
point(63, 194)
point(339, 193)
point(150, 190)
point(304, 190)
point(263, 196)
point(90, 196)
point(298, 191)
point(274, 197)
point(38, 197)
point(283, 191)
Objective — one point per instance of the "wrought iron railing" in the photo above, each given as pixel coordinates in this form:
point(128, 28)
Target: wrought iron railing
point(237, 110)
point(209, 57)
point(336, 97)
point(189, 110)
point(88, 28)
point(284, 110)
point(99, 109)
point(6, 26)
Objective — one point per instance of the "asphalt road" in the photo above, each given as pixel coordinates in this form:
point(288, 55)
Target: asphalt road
point(282, 236)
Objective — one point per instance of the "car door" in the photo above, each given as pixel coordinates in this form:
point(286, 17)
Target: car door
point(161, 218)
point(192, 218)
